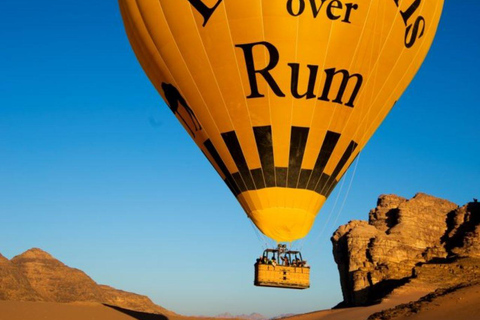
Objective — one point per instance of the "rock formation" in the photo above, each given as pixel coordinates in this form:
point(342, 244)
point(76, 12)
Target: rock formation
point(406, 239)
point(13, 284)
point(37, 276)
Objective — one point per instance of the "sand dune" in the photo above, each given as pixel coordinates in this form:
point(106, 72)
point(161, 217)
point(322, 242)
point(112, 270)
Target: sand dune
point(362, 313)
point(15, 310)
point(12, 310)
point(461, 304)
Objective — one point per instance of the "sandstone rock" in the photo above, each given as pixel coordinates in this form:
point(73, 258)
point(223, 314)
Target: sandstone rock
point(463, 234)
point(131, 301)
point(35, 275)
point(375, 257)
point(55, 281)
point(13, 284)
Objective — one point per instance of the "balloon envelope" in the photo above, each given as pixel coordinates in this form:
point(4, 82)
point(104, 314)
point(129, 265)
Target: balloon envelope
point(281, 96)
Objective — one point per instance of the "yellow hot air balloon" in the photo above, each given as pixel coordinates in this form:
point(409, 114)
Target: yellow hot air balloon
point(282, 95)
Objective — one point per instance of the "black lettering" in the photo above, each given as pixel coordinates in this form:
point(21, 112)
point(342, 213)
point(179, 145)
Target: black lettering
point(301, 7)
point(406, 15)
point(252, 71)
point(350, 7)
point(315, 9)
point(415, 32)
point(335, 4)
point(310, 94)
point(204, 10)
point(331, 73)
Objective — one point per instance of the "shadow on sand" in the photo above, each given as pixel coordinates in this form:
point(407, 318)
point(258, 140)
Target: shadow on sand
point(138, 315)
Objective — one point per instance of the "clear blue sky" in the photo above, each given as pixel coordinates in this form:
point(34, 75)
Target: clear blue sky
point(89, 172)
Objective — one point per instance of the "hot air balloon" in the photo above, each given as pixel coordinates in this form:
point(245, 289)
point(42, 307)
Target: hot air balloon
point(281, 96)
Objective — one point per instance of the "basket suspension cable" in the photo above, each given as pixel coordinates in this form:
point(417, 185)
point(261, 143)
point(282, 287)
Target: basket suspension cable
point(260, 236)
point(346, 194)
point(345, 197)
point(328, 218)
point(348, 190)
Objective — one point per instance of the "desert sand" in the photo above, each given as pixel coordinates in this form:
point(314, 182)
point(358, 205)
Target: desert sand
point(398, 297)
point(462, 304)
point(14, 310)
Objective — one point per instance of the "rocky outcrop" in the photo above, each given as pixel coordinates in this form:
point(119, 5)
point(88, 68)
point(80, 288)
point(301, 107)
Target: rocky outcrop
point(53, 280)
point(37, 276)
point(13, 284)
point(131, 301)
point(401, 235)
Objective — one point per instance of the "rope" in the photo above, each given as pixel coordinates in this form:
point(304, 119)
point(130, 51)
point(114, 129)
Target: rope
point(335, 204)
point(261, 238)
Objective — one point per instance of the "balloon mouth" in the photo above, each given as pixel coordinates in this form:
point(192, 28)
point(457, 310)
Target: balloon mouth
point(282, 214)
point(283, 224)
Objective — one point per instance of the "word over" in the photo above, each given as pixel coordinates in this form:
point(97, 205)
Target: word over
point(334, 9)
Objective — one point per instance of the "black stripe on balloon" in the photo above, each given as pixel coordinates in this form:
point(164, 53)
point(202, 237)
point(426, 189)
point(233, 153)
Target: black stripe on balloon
point(263, 138)
point(221, 165)
point(331, 186)
point(235, 149)
point(332, 180)
point(257, 175)
point(281, 177)
point(323, 183)
point(348, 153)
point(329, 143)
point(304, 177)
point(298, 141)
point(239, 181)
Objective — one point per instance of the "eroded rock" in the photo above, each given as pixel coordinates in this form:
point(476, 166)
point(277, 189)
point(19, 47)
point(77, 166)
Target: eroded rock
point(376, 256)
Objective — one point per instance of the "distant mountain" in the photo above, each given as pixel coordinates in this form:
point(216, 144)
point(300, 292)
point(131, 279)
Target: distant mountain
point(35, 275)
point(253, 316)
point(13, 283)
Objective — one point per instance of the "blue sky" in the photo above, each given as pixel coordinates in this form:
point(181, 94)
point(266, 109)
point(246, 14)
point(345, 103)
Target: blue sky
point(89, 170)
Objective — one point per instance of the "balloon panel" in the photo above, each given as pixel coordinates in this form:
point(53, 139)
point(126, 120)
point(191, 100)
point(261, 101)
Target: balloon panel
point(281, 96)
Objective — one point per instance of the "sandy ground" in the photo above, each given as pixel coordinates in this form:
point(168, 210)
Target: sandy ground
point(12, 310)
point(460, 305)
point(399, 296)
point(463, 304)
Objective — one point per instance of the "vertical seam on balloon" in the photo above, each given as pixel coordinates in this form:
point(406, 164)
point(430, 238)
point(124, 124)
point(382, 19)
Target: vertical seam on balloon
point(275, 198)
point(291, 120)
point(218, 86)
point(388, 77)
point(246, 101)
point(363, 96)
point(320, 81)
point(424, 43)
point(130, 24)
point(160, 55)
point(158, 51)
point(357, 150)
point(191, 76)
point(320, 88)
point(386, 104)
point(241, 83)
point(268, 95)
point(353, 58)
point(205, 133)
